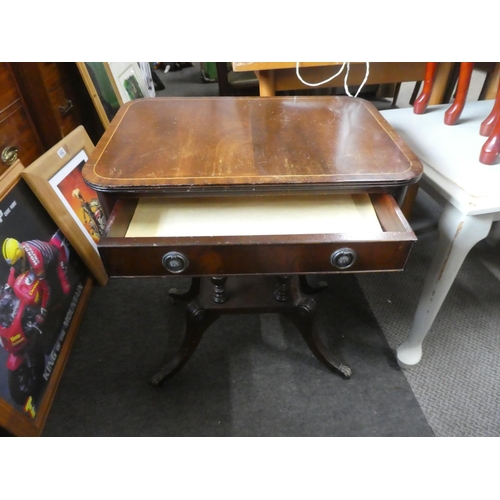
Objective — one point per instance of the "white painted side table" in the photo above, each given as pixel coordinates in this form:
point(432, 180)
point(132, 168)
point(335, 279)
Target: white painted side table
point(469, 190)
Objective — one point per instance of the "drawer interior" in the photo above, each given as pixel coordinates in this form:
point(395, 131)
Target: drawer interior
point(365, 215)
point(258, 216)
point(262, 235)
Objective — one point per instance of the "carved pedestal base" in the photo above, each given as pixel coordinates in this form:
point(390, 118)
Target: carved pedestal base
point(210, 298)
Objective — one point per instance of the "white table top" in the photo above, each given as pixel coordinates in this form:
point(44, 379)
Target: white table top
point(450, 154)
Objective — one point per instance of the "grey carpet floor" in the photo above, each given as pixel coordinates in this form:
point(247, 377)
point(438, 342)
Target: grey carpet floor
point(252, 375)
point(186, 82)
point(457, 380)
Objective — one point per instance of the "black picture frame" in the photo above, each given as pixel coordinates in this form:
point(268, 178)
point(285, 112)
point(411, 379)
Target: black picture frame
point(35, 343)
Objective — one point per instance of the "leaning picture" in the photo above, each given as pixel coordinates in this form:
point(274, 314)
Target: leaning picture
point(41, 284)
point(131, 85)
point(80, 200)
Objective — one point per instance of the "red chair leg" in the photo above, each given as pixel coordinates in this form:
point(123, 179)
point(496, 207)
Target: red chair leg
point(422, 101)
point(453, 113)
point(488, 124)
point(491, 147)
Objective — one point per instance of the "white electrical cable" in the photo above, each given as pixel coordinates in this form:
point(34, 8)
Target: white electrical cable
point(319, 83)
point(367, 73)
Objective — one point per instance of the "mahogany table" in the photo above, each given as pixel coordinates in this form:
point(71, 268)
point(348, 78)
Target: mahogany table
point(247, 196)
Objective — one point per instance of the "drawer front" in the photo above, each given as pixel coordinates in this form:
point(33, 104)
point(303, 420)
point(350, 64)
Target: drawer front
point(16, 130)
point(52, 74)
point(64, 110)
point(386, 250)
point(226, 260)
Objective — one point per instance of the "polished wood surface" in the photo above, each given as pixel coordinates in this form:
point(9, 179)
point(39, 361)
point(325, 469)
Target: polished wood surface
point(422, 101)
point(259, 66)
point(488, 123)
point(213, 145)
point(57, 100)
point(251, 146)
point(453, 113)
point(48, 94)
point(40, 103)
point(491, 127)
point(16, 127)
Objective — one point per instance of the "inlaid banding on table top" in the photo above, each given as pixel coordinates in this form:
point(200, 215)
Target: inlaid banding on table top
point(254, 216)
point(193, 142)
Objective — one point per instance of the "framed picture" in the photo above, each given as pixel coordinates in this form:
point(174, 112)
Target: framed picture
point(57, 181)
point(102, 88)
point(44, 287)
point(129, 80)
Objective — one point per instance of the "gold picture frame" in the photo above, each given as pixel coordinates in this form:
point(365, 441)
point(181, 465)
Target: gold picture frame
point(56, 180)
point(102, 89)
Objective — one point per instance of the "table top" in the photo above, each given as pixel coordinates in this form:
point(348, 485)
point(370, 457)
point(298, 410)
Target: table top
point(258, 66)
point(266, 66)
point(249, 144)
point(450, 154)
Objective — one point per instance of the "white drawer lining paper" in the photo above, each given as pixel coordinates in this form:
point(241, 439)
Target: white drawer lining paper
point(258, 215)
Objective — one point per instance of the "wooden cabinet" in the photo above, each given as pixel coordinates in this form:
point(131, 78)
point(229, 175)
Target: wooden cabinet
point(41, 103)
point(16, 127)
point(56, 98)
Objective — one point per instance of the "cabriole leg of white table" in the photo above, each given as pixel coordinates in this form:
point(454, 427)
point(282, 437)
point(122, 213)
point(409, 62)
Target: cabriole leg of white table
point(458, 233)
point(494, 236)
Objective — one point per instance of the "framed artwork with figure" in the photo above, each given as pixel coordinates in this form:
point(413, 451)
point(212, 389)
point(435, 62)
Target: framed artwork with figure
point(57, 181)
point(44, 287)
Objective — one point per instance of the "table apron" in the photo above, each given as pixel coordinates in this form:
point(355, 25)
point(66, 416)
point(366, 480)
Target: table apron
point(246, 259)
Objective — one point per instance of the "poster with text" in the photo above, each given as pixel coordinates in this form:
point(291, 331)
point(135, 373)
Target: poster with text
point(41, 283)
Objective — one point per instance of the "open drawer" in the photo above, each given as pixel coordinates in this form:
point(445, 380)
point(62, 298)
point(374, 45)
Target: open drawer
point(287, 234)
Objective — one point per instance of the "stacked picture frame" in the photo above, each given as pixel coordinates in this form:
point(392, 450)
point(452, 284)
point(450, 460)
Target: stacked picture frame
point(50, 223)
point(111, 84)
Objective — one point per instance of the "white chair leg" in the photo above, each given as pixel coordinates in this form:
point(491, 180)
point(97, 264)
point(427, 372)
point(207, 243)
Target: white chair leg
point(494, 237)
point(458, 233)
